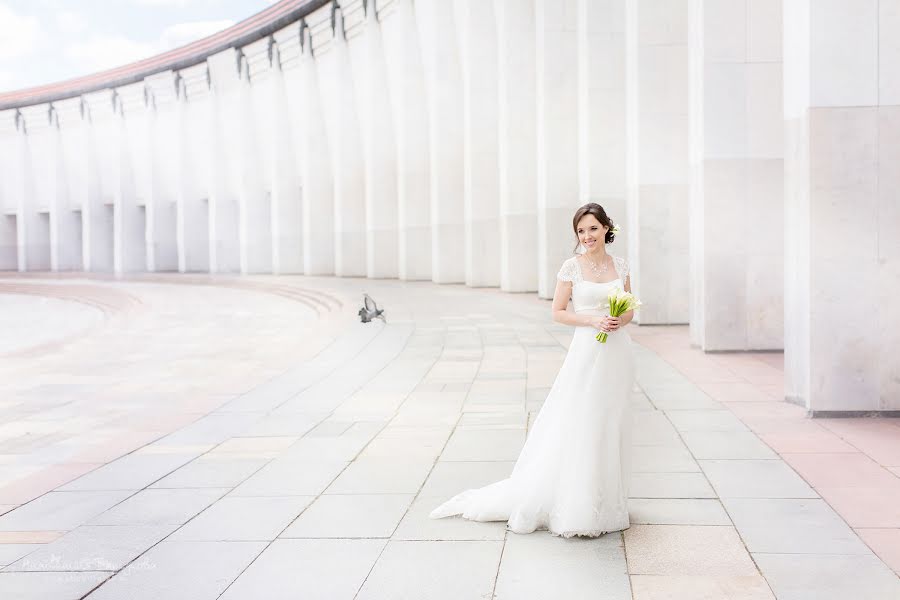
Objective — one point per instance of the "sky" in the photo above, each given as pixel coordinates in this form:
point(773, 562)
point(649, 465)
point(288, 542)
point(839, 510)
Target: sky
point(42, 41)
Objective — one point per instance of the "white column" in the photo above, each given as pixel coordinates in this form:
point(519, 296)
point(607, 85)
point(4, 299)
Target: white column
point(65, 227)
point(170, 165)
point(842, 270)
point(481, 204)
point(737, 179)
point(443, 85)
point(34, 188)
point(317, 202)
point(410, 118)
point(128, 223)
point(347, 168)
point(254, 207)
point(602, 141)
point(287, 247)
point(657, 183)
point(556, 53)
point(379, 152)
point(221, 185)
point(96, 216)
point(517, 125)
point(191, 221)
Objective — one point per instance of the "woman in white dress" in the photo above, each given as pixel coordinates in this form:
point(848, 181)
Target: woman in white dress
point(572, 475)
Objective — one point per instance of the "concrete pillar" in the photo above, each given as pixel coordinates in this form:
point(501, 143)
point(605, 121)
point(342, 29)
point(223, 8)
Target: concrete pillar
point(128, 222)
point(737, 252)
point(556, 52)
point(33, 189)
point(174, 242)
point(379, 151)
point(602, 140)
point(516, 132)
point(96, 214)
point(657, 169)
point(221, 184)
point(65, 227)
point(842, 251)
point(411, 133)
point(286, 226)
point(344, 142)
point(254, 203)
point(314, 166)
point(443, 86)
point(481, 186)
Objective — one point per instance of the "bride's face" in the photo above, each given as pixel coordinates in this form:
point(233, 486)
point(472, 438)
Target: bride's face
point(591, 233)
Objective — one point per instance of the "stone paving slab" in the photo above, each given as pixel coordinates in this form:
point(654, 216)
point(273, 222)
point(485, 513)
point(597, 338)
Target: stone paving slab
point(307, 468)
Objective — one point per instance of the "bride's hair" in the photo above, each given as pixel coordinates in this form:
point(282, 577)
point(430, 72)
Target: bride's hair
point(592, 208)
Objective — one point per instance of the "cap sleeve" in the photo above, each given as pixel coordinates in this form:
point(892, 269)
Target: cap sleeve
point(621, 268)
point(568, 271)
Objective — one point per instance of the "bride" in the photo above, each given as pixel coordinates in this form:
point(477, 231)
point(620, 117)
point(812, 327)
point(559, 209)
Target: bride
point(572, 475)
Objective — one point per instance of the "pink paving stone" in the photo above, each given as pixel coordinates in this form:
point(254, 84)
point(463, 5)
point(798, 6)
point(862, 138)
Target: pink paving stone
point(866, 506)
point(47, 479)
point(768, 410)
point(877, 437)
point(840, 470)
point(804, 437)
point(885, 543)
point(739, 391)
point(30, 537)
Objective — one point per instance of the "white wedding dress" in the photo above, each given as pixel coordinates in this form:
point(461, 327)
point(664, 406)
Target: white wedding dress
point(572, 475)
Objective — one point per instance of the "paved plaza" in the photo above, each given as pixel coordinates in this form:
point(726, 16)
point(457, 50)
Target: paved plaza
point(191, 437)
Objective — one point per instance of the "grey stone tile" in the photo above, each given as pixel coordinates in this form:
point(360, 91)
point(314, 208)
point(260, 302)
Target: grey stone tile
point(670, 485)
point(726, 445)
point(686, 550)
point(10, 553)
point(450, 478)
point(677, 511)
point(60, 511)
point(211, 471)
point(828, 577)
point(308, 569)
point(484, 444)
point(706, 420)
point(181, 571)
point(283, 477)
point(214, 428)
point(352, 516)
point(381, 476)
point(676, 396)
point(433, 571)
point(90, 548)
point(755, 479)
point(662, 459)
point(160, 507)
point(249, 519)
point(781, 525)
point(44, 586)
point(538, 566)
point(417, 525)
point(131, 472)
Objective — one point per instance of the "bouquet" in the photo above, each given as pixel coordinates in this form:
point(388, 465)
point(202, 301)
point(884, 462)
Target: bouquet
point(620, 302)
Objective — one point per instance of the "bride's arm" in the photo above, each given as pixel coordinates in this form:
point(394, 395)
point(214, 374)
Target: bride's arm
point(561, 315)
point(626, 317)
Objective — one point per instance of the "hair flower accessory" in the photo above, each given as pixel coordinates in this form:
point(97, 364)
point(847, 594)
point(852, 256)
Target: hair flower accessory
point(615, 229)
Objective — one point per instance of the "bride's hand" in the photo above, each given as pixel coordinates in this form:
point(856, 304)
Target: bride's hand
point(601, 323)
point(614, 323)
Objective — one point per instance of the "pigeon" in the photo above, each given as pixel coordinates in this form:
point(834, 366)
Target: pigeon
point(370, 310)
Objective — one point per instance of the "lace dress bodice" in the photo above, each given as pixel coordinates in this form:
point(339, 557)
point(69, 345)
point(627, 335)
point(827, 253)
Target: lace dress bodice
point(589, 296)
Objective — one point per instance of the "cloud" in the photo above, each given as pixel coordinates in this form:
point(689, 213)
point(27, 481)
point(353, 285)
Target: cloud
point(18, 33)
point(104, 52)
point(71, 22)
point(185, 33)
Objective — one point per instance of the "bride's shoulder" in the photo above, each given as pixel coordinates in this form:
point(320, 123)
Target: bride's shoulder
point(569, 270)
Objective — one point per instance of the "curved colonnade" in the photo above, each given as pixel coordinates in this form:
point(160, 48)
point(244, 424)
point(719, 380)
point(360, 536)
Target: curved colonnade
point(452, 141)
